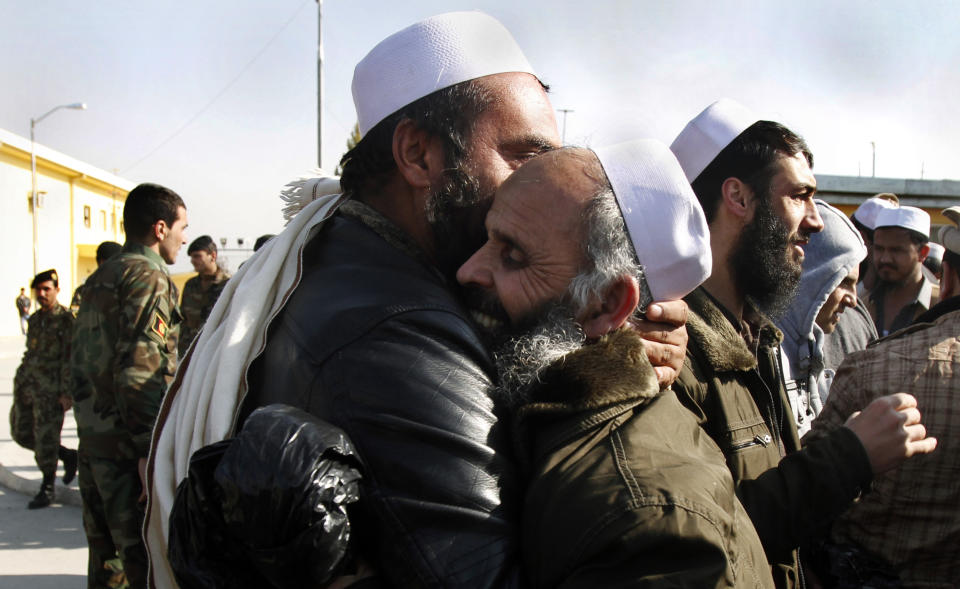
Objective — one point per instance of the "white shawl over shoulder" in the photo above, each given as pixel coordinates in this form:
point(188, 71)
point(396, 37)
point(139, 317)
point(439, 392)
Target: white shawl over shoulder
point(203, 401)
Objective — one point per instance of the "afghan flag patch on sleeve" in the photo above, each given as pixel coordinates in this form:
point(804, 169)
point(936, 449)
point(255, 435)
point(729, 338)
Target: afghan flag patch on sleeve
point(159, 326)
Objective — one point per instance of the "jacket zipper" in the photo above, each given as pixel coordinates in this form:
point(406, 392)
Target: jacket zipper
point(756, 440)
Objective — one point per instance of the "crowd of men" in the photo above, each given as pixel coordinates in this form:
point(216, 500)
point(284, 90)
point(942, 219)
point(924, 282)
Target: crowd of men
point(559, 366)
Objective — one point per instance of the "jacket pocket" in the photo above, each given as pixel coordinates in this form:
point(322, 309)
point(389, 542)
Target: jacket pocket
point(750, 448)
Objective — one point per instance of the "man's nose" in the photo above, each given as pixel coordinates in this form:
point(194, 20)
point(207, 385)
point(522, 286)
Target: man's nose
point(811, 217)
point(476, 270)
point(851, 297)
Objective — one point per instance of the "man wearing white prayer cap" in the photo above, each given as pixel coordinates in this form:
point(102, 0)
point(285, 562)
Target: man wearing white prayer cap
point(865, 220)
point(754, 180)
point(903, 292)
point(624, 488)
point(372, 336)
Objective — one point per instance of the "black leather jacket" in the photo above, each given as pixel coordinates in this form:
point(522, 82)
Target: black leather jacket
point(374, 341)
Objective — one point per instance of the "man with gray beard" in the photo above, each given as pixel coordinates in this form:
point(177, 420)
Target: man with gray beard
point(369, 333)
point(755, 183)
point(624, 488)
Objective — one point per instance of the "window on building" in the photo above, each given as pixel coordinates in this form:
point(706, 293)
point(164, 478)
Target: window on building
point(103, 220)
point(86, 216)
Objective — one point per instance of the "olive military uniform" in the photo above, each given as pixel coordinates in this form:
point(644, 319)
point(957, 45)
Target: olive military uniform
point(36, 416)
point(124, 356)
point(200, 294)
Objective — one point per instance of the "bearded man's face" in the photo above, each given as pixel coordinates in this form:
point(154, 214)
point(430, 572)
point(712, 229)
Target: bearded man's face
point(767, 260)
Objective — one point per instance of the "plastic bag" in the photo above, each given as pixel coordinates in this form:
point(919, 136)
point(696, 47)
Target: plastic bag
point(267, 508)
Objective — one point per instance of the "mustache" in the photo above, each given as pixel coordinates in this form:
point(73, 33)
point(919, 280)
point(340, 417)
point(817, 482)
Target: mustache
point(477, 299)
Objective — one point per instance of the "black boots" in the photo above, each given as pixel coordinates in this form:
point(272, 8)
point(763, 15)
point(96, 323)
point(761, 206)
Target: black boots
point(45, 496)
point(69, 458)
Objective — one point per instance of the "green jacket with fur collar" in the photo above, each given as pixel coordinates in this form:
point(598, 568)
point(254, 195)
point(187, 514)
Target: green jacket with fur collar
point(624, 488)
point(737, 396)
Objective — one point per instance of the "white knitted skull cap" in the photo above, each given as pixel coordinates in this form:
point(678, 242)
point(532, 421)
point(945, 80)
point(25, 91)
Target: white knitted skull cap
point(430, 55)
point(667, 227)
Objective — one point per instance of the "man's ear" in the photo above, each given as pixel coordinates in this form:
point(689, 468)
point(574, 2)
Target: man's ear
point(159, 230)
point(923, 251)
point(736, 195)
point(614, 309)
point(418, 155)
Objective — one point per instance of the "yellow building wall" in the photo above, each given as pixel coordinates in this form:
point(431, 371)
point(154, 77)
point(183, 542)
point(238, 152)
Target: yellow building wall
point(67, 238)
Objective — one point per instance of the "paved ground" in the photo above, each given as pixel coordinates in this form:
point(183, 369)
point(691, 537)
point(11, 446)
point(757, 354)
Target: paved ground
point(45, 548)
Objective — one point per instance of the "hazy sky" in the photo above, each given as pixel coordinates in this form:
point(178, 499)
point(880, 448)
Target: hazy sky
point(217, 99)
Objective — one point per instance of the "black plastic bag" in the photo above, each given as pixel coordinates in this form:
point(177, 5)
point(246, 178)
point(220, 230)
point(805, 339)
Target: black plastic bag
point(267, 508)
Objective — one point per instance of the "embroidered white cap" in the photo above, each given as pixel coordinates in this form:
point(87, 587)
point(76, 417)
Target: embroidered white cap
point(868, 210)
point(430, 55)
point(709, 133)
point(907, 217)
point(950, 234)
point(663, 217)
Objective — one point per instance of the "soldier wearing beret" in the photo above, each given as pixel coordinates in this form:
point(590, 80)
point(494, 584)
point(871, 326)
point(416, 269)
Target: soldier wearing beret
point(124, 356)
point(41, 387)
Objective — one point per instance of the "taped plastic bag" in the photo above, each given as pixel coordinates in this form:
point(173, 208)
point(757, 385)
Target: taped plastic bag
point(267, 508)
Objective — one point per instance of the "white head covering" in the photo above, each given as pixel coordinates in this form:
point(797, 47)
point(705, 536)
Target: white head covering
point(708, 133)
point(867, 212)
point(663, 217)
point(950, 235)
point(907, 217)
point(936, 252)
point(430, 55)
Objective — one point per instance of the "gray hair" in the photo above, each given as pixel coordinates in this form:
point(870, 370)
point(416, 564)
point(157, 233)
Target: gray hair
point(609, 253)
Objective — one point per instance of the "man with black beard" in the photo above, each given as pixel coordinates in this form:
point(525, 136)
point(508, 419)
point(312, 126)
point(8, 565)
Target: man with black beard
point(370, 335)
point(754, 181)
point(623, 487)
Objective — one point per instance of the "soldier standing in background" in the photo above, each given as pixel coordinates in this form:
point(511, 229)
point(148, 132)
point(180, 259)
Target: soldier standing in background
point(124, 356)
point(41, 388)
point(201, 292)
point(105, 251)
point(23, 308)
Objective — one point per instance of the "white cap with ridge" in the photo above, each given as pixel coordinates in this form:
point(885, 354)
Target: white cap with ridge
point(867, 212)
point(664, 220)
point(907, 217)
point(709, 133)
point(430, 55)
point(950, 234)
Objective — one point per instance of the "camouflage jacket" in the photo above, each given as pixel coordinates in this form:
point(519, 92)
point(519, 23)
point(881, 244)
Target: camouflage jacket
point(124, 352)
point(45, 369)
point(75, 301)
point(199, 295)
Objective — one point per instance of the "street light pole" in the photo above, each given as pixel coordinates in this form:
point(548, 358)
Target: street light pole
point(563, 133)
point(320, 84)
point(33, 178)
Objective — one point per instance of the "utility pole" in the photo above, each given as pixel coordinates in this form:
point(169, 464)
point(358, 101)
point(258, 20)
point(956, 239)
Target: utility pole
point(873, 147)
point(320, 84)
point(563, 132)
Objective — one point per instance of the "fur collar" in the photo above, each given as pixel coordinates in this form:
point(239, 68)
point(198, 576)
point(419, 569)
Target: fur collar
point(613, 370)
point(721, 345)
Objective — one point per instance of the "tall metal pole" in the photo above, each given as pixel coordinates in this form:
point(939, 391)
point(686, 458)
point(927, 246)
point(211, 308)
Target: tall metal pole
point(33, 178)
point(320, 84)
point(563, 132)
point(873, 147)
point(33, 198)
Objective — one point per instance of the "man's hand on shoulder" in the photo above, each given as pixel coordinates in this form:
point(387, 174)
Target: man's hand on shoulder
point(665, 338)
point(890, 430)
